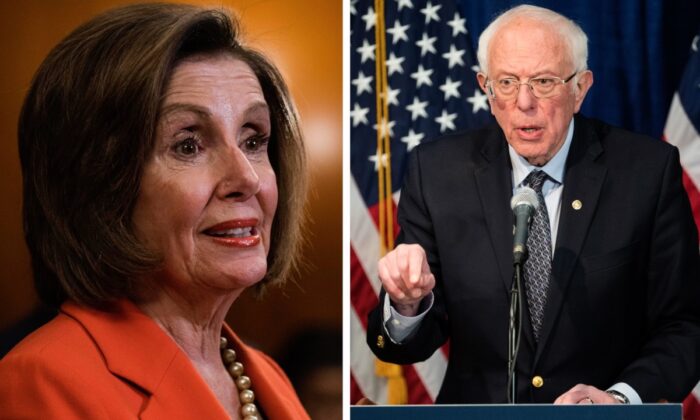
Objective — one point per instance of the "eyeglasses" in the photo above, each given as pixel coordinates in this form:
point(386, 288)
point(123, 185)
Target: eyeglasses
point(541, 87)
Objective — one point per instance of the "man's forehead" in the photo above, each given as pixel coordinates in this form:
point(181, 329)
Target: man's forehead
point(522, 30)
point(529, 46)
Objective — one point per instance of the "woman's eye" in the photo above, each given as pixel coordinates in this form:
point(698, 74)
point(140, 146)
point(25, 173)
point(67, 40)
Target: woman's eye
point(256, 143)
point(187, 147)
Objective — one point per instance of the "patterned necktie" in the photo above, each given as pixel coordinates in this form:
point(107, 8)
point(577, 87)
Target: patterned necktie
point(538, 265)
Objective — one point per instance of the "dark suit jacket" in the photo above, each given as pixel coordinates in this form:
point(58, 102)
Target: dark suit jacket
point(624, 297)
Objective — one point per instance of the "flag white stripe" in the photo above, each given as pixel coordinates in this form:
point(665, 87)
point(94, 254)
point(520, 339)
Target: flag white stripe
point(681, 133)
point(364, 237)
point(362, 363)
point(432, 372)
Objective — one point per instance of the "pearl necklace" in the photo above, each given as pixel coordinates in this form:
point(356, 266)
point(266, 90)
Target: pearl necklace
point(249, 411)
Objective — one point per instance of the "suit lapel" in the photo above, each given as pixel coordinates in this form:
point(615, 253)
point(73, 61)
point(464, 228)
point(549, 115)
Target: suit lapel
point(495, 187)
point(583, 181)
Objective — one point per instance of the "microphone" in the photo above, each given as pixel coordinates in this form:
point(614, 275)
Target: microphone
point(524, 204)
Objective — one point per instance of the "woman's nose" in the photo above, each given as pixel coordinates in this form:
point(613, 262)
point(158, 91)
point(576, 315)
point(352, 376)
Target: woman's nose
point(239, 179)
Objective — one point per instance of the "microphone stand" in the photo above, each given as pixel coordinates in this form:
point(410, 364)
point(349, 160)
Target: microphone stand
point(524, 203)
point(514, 329)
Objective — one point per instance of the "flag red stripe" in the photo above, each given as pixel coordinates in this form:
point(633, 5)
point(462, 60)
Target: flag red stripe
point(693, 196)
point(691, 408)
point(361, 293)
point(374, 212)
point(417, 394)
point(446, 349)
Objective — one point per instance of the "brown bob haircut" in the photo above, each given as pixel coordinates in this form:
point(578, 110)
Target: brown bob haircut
point(87, 128)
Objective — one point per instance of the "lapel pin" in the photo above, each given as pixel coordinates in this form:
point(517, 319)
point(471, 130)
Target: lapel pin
point(576, 204)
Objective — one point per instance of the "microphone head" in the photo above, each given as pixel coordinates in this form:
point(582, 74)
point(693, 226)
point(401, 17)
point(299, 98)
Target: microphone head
point(524, 196)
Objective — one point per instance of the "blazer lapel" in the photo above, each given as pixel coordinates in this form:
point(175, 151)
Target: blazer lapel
point(583, 181)
point(138, 351)
point(495, 187)
point(182, 393)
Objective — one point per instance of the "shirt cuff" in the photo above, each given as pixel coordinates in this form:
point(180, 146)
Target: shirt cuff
point(398, 327)
point(627, 391)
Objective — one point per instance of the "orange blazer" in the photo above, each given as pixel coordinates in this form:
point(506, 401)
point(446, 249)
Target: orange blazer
point(93, 364)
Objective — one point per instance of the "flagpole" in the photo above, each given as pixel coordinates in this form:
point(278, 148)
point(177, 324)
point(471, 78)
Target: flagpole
point(397, 392)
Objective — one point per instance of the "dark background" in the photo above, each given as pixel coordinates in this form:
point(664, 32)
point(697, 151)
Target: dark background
point(637, 50)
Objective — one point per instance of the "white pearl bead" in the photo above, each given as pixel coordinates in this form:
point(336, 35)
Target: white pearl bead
point(243, 382)
point(235, 369)
point(229, 356)
point(247, 396)
point(249, 410)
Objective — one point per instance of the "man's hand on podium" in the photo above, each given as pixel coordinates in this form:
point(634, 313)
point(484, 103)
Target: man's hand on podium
point(585, 394)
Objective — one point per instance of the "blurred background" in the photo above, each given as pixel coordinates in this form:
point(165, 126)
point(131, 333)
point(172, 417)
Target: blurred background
point(304, 39)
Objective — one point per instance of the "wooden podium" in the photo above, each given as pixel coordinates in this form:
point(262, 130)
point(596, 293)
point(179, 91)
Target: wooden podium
point(518, 412)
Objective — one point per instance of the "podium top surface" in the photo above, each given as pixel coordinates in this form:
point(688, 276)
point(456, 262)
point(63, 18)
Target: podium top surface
point(519, 412)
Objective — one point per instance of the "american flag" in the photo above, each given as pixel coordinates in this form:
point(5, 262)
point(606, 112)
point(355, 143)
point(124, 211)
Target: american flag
point(683, 130)
point(432, 90)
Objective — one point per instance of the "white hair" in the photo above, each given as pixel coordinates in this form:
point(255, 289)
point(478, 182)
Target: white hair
point(572, 34)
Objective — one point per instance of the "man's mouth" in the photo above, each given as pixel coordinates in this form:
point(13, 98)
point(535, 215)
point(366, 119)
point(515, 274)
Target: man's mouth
point(529, 131)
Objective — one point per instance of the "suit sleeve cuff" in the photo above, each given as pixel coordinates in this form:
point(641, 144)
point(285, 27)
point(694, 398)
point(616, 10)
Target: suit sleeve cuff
point(399, 328)
point(627, 391)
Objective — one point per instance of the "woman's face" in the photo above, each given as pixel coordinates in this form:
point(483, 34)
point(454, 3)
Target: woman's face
point(208, 193)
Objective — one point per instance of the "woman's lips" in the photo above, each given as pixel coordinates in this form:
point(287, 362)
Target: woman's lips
point(239, 233)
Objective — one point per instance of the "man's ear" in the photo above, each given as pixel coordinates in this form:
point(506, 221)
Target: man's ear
point(481, 80)
point(583, 82)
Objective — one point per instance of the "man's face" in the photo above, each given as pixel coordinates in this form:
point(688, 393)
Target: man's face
point(524, 49)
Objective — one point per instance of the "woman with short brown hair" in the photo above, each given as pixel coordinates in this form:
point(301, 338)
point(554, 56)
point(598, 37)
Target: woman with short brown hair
point(164, 173)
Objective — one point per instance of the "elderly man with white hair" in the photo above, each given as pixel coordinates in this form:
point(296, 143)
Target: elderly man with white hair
point(612, 276)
